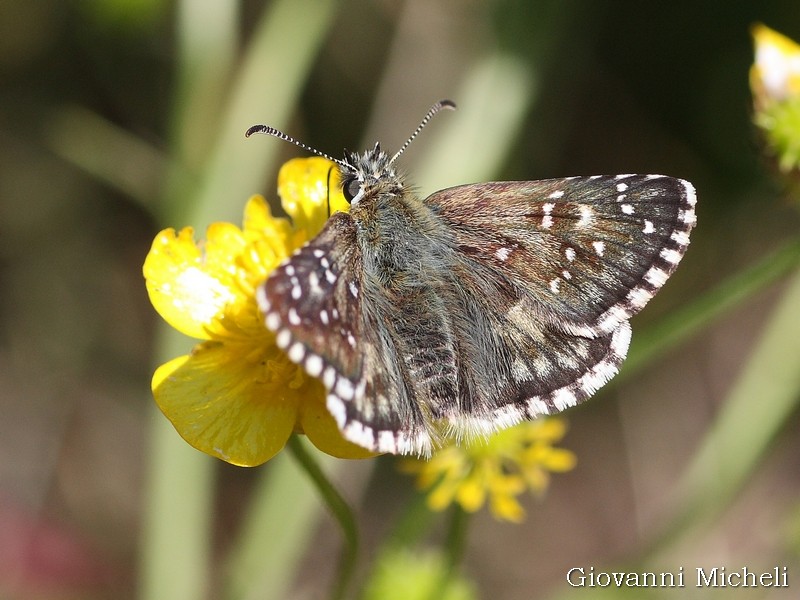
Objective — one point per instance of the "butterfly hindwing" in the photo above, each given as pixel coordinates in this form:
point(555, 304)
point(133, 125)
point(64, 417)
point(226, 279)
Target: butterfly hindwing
point(514, 366)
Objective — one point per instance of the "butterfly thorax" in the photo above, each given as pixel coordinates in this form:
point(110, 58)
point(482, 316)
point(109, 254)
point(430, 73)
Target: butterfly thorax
point(398, 234)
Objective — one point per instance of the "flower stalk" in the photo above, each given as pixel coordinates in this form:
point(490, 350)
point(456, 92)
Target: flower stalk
point(340, 510)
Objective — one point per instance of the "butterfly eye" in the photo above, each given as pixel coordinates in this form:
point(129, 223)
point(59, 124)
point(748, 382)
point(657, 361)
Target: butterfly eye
point(350, 189)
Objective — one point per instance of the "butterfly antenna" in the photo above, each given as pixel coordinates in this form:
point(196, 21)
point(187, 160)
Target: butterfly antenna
point(267, 130)
point(442, 104)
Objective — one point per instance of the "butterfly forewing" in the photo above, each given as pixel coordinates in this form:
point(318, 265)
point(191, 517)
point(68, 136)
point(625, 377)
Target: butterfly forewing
point(314, 304)
point(589, 252)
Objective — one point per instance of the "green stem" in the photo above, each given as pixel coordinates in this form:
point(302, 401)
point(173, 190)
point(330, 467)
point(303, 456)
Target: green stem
point(454, 546)
point(340, 510)
point(456, 541)
point(411, 526)
point(282, 508)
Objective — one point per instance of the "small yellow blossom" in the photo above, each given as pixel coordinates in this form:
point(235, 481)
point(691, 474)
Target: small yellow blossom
point(775, 74)
point(496, 470)
point(775, 84)
point(237, 396)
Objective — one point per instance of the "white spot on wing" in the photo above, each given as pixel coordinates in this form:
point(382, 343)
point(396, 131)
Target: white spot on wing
point(313, 365)
point(671, 256)
point(261, 297)
point(537, 407)
point(586, 216)
point(502, 254)
point(648, 227)
point(638, 297)
point(681, 237)
point(387, 442)
point(296, 352)
point(344, 389)
point(691, 195)
point(273, 321)
point(564, 398)
point(329, 377)
point(612, 317)
point(599, 247)
point(283, 338)
point(656, 277)
point(547, 208)
point(358, 433)
point(337, 409)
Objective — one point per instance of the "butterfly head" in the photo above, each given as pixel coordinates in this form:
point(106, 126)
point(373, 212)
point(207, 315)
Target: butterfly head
point(366, 174)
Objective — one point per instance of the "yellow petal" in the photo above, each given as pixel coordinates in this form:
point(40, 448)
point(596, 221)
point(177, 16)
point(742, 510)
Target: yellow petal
point(506, 508)
point(273, 237)
point(449, 463)
point(310, 192)
point(441, 496)
point(505, 483)
point(191, 289)
point(537, 479)
point(173, 262)
point(259, 222)
point(559, 460)
point(775, 75)
point(321, 428)
point(548, 430)
point(218, 401)
point(471, 493)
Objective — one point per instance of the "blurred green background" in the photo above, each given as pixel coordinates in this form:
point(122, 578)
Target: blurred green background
point(118, 118)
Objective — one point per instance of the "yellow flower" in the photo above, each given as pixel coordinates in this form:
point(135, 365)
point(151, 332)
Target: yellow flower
point(496, 470)
point(775, 74)
point(775, 84)
point(237, 396)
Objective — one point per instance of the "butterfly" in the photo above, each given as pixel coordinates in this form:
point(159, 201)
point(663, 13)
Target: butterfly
point(476, 308)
